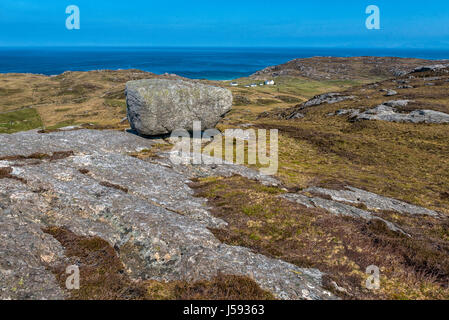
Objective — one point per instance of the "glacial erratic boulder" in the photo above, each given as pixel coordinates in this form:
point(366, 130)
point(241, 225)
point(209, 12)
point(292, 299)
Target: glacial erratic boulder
point(157, 107)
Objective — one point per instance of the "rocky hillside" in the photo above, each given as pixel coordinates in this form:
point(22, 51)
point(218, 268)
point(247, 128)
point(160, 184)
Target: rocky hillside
point(363, 180)
point(332, 68)
point(417, 97)
point(87, 183)
point(342, 152)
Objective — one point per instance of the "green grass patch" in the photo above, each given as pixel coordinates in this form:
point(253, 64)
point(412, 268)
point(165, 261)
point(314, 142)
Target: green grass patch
point(61, 125)
point(309, 88)
point(240, 100)
point(288, 99)
point(266, 102)
point(63, 110)
point(115, 103)
point(20, 120)
point(9, 92)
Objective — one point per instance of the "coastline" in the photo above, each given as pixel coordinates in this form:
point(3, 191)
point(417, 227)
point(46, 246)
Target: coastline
point(216, 64)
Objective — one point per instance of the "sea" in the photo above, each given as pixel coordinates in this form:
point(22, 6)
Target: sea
point(195, 63)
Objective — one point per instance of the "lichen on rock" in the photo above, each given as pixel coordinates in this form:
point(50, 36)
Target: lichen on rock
point(159, 228)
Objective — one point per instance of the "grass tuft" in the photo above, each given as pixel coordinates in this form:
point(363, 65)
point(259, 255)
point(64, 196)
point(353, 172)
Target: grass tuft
point(20, 120)
point(343, 247)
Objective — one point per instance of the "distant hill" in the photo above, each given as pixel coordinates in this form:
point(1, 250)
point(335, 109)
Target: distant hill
point(333, 68)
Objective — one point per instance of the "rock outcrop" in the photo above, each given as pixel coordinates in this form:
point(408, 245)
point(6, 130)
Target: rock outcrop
point(344, 202)
point(390, 92)
point(329, 98)
point(158, 107)
point(387, 111)
point(372, 201)
point(85, 181)
point(434, 67)
point(338, 208)
point(297, 112)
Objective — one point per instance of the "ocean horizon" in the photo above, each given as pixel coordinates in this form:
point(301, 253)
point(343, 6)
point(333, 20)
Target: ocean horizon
point(210, 63)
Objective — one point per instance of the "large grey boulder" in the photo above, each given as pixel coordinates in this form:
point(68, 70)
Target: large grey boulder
point(157, 107)
point(330, 98)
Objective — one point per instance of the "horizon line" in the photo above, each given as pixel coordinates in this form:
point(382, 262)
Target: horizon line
point(220, 47)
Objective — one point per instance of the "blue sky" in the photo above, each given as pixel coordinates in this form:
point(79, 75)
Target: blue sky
point(250, 23)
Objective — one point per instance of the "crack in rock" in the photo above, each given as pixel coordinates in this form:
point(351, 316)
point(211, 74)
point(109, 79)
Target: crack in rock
point(341, 200)
point(159, 228)
point(337, 208)
point(372, 201)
